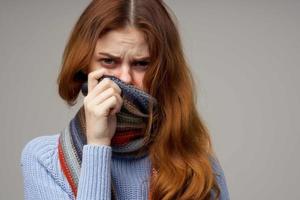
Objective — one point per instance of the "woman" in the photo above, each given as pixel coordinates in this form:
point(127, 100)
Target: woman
point(138, 134)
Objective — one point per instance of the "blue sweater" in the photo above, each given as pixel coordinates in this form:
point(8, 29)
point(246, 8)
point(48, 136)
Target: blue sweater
point(43, 178)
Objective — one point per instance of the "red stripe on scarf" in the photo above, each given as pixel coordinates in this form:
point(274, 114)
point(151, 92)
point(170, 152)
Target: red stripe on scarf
point(125, 137)
point(66, 170)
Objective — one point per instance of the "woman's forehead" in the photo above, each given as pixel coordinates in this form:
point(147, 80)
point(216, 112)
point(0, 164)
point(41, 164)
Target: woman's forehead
point(120, 42)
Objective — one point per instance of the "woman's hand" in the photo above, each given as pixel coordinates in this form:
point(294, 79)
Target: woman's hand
point(101, 104)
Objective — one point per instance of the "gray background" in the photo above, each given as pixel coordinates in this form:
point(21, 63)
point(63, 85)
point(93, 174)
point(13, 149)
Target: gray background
point(245, 59)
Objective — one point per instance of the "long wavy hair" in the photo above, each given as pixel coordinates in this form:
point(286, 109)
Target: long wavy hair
point(182, 149)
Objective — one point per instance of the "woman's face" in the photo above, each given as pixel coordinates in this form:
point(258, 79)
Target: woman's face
point(124, 54)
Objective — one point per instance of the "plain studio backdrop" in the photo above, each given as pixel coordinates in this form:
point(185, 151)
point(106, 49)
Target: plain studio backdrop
point(245, 59)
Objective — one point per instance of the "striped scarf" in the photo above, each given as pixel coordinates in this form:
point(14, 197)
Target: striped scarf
point(129, 141)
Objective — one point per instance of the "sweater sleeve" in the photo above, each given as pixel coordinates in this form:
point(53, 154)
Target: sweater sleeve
point(43, 179)
point(95, 175)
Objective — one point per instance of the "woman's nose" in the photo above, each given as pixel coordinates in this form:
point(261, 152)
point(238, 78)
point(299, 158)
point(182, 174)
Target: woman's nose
point(125, 74)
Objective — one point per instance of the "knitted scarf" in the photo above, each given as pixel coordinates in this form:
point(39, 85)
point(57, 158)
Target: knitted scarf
point(129, 141)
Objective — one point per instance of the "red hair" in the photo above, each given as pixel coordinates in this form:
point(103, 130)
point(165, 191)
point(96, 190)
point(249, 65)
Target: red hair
point(182, 149)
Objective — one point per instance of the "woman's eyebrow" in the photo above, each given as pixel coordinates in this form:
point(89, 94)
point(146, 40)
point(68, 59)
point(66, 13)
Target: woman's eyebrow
point(117, 57)
point(109, 55)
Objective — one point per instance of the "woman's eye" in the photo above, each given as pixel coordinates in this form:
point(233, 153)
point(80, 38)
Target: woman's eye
point(107, 61)
point(142, 64)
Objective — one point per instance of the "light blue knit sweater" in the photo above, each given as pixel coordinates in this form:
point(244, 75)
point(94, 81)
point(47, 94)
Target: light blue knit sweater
point(43, 178)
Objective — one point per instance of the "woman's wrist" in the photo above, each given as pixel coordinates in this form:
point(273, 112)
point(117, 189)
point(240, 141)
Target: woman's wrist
point(104, 141)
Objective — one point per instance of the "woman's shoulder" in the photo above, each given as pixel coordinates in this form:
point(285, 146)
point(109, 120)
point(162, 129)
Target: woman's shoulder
point(42, 149)
point(40, 164)
point(216, 165)
point(220, 177)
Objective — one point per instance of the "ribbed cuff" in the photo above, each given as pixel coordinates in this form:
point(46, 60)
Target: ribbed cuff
point(95, 175)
